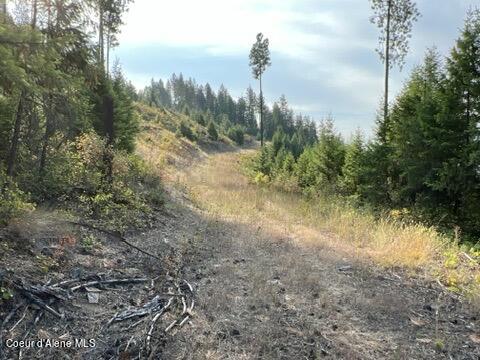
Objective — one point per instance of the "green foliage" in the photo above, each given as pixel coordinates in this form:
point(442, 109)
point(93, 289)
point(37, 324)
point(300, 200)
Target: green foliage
point(186, 131)
point(13, 201)
point(89, 242)
point(425, 156)
point(126, 124)
point(5, 294)
point(237, 134)
point(212, 131)
point(46, 263)
point(352, 168)
point(200, 118)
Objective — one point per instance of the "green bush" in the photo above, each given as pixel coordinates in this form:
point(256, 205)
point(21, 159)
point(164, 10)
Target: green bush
point(199, 118)
point(237, 134)
point(212, 131)
point(13, 202)
point(186, 131)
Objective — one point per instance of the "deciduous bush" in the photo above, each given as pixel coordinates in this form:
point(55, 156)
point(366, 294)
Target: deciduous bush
point(13, 202)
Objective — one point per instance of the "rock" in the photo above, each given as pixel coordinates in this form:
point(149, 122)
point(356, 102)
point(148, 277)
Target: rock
point(93, 297)
point(234, 332)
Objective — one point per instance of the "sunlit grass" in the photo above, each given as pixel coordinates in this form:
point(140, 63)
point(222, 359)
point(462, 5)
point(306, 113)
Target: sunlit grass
point(220, 187)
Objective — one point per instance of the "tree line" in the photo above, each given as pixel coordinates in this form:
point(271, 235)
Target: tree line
point(220, 110)
point(424, 159)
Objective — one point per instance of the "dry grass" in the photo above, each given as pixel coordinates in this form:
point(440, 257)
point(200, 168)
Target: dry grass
point(159, 146)
point(219, 187)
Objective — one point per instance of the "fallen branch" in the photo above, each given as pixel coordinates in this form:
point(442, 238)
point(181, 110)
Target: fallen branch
point(116, 235)
point(39, 315)
point(110, 282)
point(20, 320)
point(190, 287)
point(184, 321)
point(149, 308)
point(71, 281)
point(169, 327)
point(154, 320)
point(42, 304)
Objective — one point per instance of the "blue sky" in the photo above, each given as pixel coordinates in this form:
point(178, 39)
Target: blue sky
point(323, 51)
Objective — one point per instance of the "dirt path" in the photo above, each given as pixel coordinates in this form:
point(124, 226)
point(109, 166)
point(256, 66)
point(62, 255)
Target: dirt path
point(264, 293)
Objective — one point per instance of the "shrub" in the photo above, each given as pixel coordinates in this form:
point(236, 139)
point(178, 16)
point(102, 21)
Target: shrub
point(212, 131)
point(199, 118)
point(13, 201)
point(186, 131)
point(237, 134)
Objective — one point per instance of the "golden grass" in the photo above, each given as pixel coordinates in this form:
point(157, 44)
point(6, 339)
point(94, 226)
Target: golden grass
point(160, 147)
point(219, 186)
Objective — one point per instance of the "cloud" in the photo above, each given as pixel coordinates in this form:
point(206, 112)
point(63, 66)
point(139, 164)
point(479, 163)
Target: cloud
point(323, 55)
point(227, 27)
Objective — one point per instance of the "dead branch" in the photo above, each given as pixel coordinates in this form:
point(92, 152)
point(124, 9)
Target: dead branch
point(184, 321)
point(154, 320)
point(184, 306)
point(116, 235)
point(110, 282)
point(20, 320)
point(42, 304)
point(169, 327)
point(190, 287)
point(150, 307)
point(191, 307)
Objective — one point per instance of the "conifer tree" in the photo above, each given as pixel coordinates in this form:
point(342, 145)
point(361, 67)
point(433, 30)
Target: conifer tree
point(395, 20)
point(259, 61)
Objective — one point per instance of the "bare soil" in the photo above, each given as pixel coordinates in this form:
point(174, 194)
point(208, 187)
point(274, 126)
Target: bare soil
point(258, 294)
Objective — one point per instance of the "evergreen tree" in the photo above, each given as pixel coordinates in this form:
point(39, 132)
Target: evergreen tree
point(212, 131)
point(259, 61)
point(353, 166)
point(395, 20)
point(251, 105)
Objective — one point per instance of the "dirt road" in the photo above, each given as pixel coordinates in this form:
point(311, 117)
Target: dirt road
point(264, 293)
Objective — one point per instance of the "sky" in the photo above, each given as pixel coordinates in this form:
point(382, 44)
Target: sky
point(322, 51)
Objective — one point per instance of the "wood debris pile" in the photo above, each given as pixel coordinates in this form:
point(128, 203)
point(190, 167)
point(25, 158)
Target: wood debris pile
point(34, 301)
